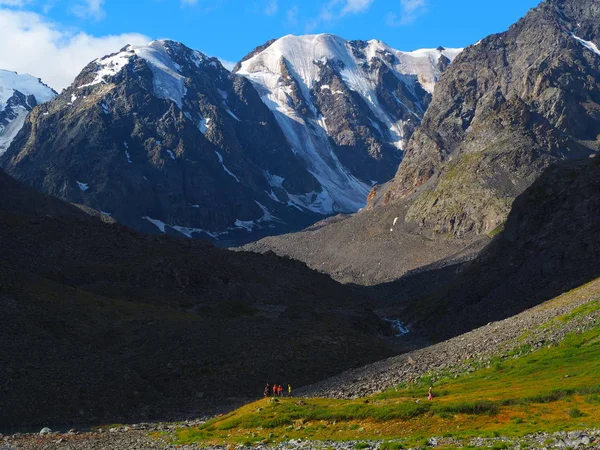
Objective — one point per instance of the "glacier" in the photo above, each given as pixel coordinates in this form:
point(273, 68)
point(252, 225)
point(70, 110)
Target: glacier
point(309, 138)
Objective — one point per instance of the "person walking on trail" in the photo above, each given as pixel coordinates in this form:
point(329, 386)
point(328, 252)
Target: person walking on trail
point(430, 393)
point(267, 390)
point(289, 390)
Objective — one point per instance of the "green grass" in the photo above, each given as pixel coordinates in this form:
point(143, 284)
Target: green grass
point(496, 231)
point(554, 388)
point(391, 446)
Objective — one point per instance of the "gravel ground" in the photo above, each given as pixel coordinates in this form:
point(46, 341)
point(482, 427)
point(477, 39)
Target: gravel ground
point(125, 438)
point(477, 347)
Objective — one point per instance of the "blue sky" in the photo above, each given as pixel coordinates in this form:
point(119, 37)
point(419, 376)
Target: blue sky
point(231, 28)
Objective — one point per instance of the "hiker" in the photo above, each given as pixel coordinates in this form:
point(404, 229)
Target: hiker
point(430, 393)
point(279, 389)
point(289, 390)
point(267, 390)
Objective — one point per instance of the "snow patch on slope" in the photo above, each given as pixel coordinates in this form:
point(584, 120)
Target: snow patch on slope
point(83, 186)
point(225, 167)
point(587, 44)
point(167, 79)
point(249, 225)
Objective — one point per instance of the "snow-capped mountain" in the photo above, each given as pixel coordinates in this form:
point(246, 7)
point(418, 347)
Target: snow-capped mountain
point(347, 108)
point(166, 140)
point(19, 94)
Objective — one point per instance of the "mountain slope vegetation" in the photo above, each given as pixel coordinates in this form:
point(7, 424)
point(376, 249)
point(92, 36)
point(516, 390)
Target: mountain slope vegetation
point(101, 323)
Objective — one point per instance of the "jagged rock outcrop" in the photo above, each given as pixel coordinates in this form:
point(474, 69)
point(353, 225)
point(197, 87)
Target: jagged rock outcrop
point(510, 106)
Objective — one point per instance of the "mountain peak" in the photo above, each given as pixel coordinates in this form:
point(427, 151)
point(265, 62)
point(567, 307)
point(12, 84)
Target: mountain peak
point(24, 83)
point(19, 94)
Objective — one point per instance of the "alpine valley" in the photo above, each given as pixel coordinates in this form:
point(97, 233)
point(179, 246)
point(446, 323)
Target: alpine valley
point(414, 246)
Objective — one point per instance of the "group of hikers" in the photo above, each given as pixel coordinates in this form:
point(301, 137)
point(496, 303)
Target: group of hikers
point(277, 390)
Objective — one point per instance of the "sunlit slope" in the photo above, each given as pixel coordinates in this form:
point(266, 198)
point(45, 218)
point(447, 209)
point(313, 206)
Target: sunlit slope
point(552, 388)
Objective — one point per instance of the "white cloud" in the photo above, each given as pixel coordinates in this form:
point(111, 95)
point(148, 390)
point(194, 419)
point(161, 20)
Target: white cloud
point(336, 9)
point(272, 7)
point(89, 9)
point(50, 52)
point(410, 10)
point(291, 16)
point(229, 65)
point(14, 3)
point(355, 6)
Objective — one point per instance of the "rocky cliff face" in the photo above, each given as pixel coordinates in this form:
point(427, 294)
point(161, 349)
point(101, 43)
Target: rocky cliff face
point(508, 107)
point(19, 94)
point(164, 139)
point(550, 245)
point(347, 108)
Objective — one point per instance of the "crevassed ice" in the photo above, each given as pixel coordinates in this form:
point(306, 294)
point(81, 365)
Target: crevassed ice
point(342, 191)
point(26, 85)
point(10, 131)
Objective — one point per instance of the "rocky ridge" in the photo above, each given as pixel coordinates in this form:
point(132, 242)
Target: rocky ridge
point(165, 140)
point(511, 106)
point(550, 244)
